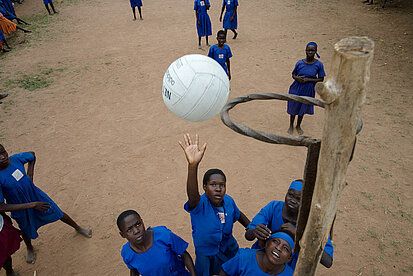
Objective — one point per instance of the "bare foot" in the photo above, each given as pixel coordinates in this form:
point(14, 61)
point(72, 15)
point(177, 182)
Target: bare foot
point(134, 19)
point(141, 18)
point(290, 130)
point(299, 130)
point(31, 256)
point(199, 47)
point(11, 273)
point(235, 36)
point(85, 232)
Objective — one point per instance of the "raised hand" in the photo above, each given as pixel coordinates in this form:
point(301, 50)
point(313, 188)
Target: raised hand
point(192, 152)
point(262, 232)
point(41, 206)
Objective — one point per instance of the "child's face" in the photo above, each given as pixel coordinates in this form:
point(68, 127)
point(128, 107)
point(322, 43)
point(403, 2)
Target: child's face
point(310, 51)
point(221, 39)
point(215, 189)
point(292, 200)
point(133, 229)
point(278, 251)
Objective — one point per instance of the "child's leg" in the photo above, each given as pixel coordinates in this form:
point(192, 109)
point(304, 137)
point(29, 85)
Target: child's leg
point(134, 13)
point(47, 8)
point(83, 231)
point(225, 30)
point(235, 34)
point(19, 20)
point(206, 39)
point(291, 128)
point(8, 266)
point(199, 42)
point(31, 256)
point(24, 30)
point(298, 127)
point(140, 13)
point(51, 4)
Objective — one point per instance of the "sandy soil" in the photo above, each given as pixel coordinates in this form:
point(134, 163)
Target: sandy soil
point(105, 141)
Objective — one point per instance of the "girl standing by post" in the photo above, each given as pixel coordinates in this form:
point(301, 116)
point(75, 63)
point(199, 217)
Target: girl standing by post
point(307, 72)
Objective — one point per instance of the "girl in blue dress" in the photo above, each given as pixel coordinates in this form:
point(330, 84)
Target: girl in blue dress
point(203, 23)
point(29, 205)
point(134, 4)
point(272, 260)
point(153, 251)
point(230, 17)
point(307, 72)
point(213, 213)
point(221, 53)
point(49, 2)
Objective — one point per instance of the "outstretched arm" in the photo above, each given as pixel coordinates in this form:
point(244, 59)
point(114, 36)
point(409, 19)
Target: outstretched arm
point(243, 219)
point(189, 263)
point(30, 166)
point(222, 11)
point(194, 156)
point(315, 80)
point(41, 206)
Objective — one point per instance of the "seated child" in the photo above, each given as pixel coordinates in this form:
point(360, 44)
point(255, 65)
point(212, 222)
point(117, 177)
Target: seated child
point(152, 251)
point(280, 214)
point(221, 53)
point(9, 243)
point(272, 260)
point(213, 214)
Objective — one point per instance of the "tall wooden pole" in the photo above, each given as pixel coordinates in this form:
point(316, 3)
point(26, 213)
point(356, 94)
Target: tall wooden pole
point(344, 93)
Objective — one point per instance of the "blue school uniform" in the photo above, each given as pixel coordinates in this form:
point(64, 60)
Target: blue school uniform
point(304, 89)
point(47, 2)
point(2, 38)
point(245, 264)
point(17, 188)
point(205, 28)
point(9, 6)
point(7, 14)
point(135, 3)
point(220, 55)
point(162, 258)
point(212, 234)
point(271, 216)
point(229, 11)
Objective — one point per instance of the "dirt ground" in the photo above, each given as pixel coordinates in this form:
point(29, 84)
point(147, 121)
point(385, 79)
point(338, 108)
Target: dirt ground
point(85, 95)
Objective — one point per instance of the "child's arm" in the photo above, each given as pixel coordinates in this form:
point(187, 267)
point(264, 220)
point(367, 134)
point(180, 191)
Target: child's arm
point(243, 219)
point(41, 206)
point(189, 263)
point(233, 16)
point(134, 272)
point(197, 18)
point(194, 156)
point(229, 68)
point(222, 11)
point(222, 273)
point(30, 166)
point(315, 80)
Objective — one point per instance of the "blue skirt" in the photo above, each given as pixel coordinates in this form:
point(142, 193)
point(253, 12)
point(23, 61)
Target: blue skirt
point(135, 3)
point(227, 24)
point(47, 2)
point(205, 28)
point(301, 89)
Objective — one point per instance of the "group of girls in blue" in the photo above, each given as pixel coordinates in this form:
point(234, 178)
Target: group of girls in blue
point(203, 22)
point(158, 251)
point(30, 207)
point(7, 15)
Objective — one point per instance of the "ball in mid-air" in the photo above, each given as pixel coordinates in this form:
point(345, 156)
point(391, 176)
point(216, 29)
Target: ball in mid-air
point(195, 87)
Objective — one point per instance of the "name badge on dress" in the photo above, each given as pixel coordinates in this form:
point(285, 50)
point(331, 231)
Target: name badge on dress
point(229, 2)
point(221, 56)
point(202, 3)
point(17, 174)
point(221, 217)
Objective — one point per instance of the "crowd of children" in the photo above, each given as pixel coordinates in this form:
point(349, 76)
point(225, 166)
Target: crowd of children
point(157, 250)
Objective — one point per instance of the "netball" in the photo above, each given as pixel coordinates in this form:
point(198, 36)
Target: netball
point(195, 88)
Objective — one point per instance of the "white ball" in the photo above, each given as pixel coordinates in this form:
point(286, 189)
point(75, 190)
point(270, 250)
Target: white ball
point(195, 88)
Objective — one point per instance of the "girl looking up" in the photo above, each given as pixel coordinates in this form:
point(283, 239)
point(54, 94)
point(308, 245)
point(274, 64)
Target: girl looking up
point(213, 213)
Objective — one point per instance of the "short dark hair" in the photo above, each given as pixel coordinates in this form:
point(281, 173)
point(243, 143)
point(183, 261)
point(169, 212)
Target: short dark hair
point(123, 215)
point(221, 32)
point(210, 172)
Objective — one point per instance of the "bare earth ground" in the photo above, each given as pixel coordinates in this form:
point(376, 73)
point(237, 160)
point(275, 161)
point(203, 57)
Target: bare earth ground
point(105, 141)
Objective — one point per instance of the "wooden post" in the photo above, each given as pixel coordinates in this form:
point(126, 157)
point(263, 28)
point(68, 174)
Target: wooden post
point(344, 94)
